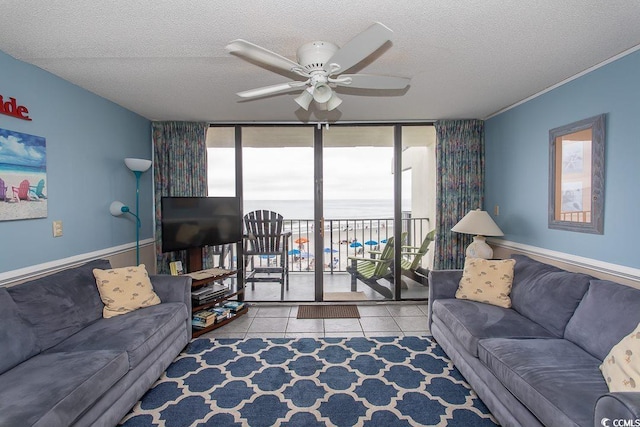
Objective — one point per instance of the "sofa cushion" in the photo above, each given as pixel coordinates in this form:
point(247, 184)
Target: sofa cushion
point(557, 380)
point(54, 389)
point(138, 333)
point(546, 294)
point(487, 281)
point(621, 367)
point(125, 289)
point(65, 302)
point(607, 313)
point(472, 321)
point(17, 340)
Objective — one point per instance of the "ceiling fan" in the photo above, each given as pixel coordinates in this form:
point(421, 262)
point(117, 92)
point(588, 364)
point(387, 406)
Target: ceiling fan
point(321, 64)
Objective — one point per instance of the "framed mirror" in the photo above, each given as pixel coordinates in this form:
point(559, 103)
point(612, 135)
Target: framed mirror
point(576, 176)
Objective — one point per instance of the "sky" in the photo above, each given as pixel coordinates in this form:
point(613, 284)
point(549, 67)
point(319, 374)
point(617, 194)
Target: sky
point(22, 149)
point(287, 173)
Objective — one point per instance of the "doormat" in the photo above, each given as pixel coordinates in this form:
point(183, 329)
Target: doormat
point(345, 296)
point(328, 312)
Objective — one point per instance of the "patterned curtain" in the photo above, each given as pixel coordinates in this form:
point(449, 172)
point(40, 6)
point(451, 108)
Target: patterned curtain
point(180, 168)
point(459, 185)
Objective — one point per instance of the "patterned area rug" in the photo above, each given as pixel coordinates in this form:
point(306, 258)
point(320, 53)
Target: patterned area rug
point(381, 382)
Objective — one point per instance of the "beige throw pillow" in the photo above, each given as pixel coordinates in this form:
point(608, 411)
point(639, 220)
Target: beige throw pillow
point(487, 281)
point(621, 367)
point(124, 289)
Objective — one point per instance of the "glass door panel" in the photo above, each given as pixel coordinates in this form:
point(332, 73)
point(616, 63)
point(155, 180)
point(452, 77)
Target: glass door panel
point(358, 209)
point(278, 170)
point(221, 182)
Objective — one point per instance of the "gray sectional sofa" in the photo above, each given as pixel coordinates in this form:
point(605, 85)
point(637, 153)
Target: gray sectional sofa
point(537, 363)
point(63, 364)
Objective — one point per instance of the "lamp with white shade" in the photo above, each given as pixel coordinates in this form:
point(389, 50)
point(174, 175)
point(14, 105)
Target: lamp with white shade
point(138, 167)
point(480, 224)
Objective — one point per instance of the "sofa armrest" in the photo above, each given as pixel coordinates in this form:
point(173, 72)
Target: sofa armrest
point(442, 284)
point(173, 288)
point(617, 406)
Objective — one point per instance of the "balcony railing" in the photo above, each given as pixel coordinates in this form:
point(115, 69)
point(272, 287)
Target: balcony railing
point(342, 238)
point(576, 216)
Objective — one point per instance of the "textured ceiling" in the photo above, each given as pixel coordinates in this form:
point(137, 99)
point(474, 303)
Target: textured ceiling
point(165, 59)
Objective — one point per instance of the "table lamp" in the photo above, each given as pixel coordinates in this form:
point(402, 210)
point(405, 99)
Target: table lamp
point(479, 223)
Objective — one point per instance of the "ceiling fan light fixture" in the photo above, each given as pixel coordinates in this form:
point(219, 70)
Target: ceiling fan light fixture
point(322, 93)
point(305, 98)
point(333, 102)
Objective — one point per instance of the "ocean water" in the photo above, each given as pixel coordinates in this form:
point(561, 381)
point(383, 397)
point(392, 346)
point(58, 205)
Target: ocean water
point(333, 209)
point(11, 168)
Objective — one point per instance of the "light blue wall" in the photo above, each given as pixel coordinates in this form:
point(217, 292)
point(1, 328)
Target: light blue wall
point(517, 163)
point(87, 138)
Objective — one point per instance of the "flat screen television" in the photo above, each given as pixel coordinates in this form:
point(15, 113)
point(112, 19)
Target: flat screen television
point(194, 222)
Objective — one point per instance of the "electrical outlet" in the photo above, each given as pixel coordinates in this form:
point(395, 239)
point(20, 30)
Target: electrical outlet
point(57, 228)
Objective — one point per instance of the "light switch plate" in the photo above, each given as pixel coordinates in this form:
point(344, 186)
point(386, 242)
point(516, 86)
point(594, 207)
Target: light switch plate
point(57, 228)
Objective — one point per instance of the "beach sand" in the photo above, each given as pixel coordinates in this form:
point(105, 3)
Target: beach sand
point(24, 209)
point(340, 242)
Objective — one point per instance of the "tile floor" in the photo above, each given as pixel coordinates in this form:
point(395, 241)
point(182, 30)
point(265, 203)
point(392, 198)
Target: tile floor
point(266, 320)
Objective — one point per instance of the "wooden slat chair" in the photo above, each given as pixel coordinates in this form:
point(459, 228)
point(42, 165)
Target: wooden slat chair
point(370, 270)
point(38, 190)
point(22, 192)
point(411, 257)
point(3, 190)
point(265, 237)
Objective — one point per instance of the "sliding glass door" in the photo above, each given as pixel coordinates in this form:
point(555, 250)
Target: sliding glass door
point(342, 202)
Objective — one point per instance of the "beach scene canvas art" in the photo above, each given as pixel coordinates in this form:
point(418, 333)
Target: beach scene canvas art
point(23, 176)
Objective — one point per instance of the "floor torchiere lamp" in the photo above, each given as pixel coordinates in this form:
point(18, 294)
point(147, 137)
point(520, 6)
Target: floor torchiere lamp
point(138, 167)
point(478, 222)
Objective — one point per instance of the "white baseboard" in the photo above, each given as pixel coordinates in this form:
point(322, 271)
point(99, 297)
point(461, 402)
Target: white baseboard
point(10, 277)
point(596, 266)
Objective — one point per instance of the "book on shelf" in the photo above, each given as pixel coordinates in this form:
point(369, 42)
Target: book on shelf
point(199, 324)
point(234, 306)
point(203, 318)
point(176, 268)
point(221, 313)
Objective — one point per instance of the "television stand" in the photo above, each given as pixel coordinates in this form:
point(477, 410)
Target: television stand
point(204, 277)
point(194, 259)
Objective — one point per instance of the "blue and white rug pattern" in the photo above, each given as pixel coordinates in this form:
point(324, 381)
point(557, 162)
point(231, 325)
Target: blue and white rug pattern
point(386, 382)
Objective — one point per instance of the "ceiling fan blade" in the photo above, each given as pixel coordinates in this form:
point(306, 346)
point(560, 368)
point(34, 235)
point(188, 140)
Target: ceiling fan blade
point(371, 81)
point(271, 90)
point(359, 47)
point(257, 53)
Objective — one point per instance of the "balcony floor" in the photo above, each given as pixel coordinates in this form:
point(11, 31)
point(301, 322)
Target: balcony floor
point(301, 288)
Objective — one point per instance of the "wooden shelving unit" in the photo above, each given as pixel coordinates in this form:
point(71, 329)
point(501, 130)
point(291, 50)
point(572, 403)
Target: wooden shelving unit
point(203, 277)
